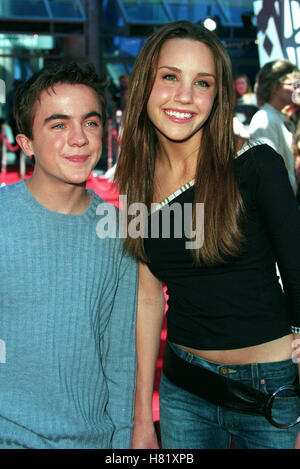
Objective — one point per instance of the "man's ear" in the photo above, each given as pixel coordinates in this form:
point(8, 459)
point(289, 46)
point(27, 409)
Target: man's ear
point(25, 143)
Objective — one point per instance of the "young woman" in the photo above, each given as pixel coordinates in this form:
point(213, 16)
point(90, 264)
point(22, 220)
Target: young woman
point(231, 329)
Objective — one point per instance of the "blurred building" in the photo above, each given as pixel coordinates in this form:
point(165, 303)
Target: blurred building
point(127, 23)
point(110, 33)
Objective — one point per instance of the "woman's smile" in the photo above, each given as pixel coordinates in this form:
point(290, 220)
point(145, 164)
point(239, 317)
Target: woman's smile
point(179, 116)
point(184, 90)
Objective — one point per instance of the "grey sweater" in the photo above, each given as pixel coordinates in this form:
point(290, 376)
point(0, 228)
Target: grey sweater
point(67, 328)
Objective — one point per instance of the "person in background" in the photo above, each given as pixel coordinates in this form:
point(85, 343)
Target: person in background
point(68, 294)
point(9, 106)
point(220, 213)
point(245, 107)
point(123, 81)
point(243, 89)
point(274, 89)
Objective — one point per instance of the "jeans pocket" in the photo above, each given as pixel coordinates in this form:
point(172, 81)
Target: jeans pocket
point(286, 404)
point(288, 376)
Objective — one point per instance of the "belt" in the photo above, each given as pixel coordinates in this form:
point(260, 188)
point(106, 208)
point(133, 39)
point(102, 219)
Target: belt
point(222, 391)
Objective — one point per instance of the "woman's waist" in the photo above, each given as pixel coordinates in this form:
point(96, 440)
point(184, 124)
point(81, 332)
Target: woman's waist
point(272, 351)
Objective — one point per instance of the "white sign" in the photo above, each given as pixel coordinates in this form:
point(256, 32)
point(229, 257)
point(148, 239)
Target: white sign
point(278, 30)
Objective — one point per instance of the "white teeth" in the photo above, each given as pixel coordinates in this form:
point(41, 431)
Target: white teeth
point(179, 115)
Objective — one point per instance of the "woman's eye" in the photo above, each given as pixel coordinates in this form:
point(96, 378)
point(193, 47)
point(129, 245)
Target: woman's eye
point(169, 77)
point(203, 83)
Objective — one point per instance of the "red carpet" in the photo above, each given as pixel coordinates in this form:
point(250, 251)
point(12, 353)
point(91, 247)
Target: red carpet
point(108, 192)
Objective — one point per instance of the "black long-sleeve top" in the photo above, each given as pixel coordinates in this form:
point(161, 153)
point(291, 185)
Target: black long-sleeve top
point(240, 303)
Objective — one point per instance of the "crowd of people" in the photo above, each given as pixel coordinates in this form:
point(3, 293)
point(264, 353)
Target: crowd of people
point(208, 213)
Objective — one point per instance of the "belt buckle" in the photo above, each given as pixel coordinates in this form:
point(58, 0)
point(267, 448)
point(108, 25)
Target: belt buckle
point(270, 402)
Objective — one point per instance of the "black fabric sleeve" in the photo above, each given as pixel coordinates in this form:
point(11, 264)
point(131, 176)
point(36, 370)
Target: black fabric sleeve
point(278, 206)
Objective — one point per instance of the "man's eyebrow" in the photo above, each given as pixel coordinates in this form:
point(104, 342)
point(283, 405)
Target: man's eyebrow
point(55, 117)
point(92, 114)
point(67, 117)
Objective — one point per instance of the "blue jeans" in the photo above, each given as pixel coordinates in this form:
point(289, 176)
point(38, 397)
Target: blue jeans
point(189, 422)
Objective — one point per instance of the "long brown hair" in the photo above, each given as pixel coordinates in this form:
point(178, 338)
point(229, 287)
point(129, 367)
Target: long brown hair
point(215, 183)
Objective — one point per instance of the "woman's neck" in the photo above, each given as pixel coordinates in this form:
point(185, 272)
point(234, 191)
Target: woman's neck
point(172, 170)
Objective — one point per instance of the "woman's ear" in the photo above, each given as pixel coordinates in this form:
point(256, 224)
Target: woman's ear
point(25, 144)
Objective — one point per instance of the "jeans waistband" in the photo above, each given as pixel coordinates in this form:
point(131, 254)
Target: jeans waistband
point(246, 371)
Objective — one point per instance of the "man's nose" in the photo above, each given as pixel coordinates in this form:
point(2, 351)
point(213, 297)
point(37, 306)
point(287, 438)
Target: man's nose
point(77, 135)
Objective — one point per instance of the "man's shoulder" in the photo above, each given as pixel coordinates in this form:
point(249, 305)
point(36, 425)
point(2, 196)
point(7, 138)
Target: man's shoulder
point(264, 120)
point(102, 206)
point(10, 191)
point(11, 205)
point(262, 113)
point(268, 112)
point(99, 199)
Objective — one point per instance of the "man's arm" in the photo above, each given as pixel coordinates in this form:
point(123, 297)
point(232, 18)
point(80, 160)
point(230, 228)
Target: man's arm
point(119, 354)
point(151, 305)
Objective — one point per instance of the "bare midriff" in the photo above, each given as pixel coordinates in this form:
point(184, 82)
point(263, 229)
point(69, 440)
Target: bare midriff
point(273, 351)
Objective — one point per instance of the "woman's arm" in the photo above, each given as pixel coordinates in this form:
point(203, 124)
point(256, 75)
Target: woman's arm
point(296, 351)
point(151, 305)
point(278, 207)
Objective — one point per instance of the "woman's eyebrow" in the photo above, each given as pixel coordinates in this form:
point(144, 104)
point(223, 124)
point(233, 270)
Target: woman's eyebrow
point(175, 69)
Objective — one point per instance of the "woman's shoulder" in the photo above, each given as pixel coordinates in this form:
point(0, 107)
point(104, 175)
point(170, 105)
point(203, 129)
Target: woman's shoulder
point(256, 158)
point(256, 150)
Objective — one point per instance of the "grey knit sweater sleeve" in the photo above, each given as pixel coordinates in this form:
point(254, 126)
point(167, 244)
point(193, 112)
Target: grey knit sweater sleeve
point(67, 328)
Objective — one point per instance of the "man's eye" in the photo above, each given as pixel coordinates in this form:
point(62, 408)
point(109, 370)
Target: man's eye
point(92, 124)
point(58, 126)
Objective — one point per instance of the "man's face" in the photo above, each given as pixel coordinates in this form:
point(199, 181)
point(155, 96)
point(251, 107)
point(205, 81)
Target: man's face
point(67, 134)
point(286, 91)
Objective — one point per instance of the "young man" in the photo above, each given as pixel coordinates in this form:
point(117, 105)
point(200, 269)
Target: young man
point(275, 89)
point(67, 297)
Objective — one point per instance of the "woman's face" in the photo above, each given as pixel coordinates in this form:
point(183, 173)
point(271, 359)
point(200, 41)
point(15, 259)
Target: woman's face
point(241, 85)
point(184, 90)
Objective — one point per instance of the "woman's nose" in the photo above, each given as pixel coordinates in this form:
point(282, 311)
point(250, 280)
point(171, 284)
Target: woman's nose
point(184, 93)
